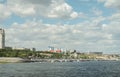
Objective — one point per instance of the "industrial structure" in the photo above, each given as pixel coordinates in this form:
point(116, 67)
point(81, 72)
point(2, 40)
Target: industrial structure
point(2, 38)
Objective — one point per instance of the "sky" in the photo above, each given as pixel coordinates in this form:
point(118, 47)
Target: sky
point(84, 25)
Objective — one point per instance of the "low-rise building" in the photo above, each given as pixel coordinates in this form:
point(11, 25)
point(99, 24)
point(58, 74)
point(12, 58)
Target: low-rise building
point(96, 53)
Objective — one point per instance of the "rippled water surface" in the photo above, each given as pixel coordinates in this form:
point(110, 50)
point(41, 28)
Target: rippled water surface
point(66, 69)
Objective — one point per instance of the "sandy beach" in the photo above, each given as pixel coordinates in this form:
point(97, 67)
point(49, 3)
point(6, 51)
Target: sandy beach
point(10, 60)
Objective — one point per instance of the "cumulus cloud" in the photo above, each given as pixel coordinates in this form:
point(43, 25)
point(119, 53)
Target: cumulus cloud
point(85, 36)
point(4, 12)
point(91, 34)
point(111, 3)
point(46, 8)
point(115, 17)
point(113, 27)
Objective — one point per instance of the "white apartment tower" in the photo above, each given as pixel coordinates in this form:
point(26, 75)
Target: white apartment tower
point(2, 38)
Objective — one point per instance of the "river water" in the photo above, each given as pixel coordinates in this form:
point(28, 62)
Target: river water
point(65, 69)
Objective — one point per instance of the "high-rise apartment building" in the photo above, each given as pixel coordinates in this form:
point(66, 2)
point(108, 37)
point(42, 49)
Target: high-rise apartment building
point(2, 38)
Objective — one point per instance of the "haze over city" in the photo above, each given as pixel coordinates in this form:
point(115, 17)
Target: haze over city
point(84, 25)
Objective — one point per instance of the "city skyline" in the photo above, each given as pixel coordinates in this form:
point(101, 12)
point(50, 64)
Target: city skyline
point(84, 25)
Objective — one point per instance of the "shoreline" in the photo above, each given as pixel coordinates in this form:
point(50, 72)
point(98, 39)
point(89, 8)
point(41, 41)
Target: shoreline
point(11, 60)
point(21, 60)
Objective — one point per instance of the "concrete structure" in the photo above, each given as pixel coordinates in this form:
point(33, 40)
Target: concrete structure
point(33, 49)
point(21, 49)
point(96, 53)
point(2, 38)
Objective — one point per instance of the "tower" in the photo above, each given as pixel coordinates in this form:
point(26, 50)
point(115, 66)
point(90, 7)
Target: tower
point(2, 38)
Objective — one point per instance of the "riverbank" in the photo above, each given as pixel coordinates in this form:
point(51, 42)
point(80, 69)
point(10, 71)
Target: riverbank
point(65, 60)
point(21, 60)
point(11, 60)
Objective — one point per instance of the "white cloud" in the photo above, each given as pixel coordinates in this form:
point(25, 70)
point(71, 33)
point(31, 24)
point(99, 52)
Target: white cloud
point(4, 12)
point(62, 10)
point(113, 30)
point(115, 17)
point(46, 8)
point(91, 34)
point(74, 15)
point(111, 3)
point(84, 36)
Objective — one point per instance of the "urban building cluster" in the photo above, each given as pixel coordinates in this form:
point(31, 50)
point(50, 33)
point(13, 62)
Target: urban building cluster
point(53, 49)
point(54, 52)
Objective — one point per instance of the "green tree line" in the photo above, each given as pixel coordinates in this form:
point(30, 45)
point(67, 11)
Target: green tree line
point(29, 54)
